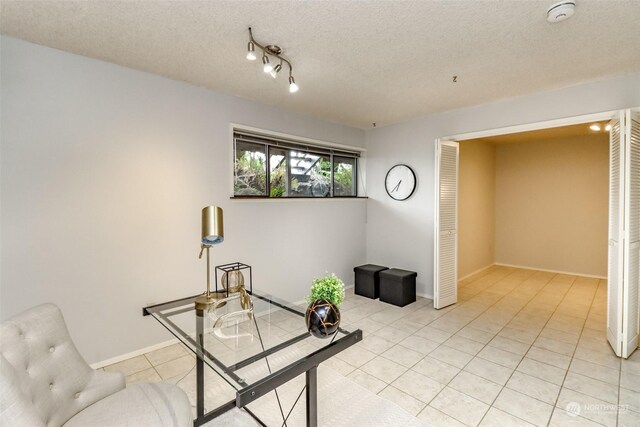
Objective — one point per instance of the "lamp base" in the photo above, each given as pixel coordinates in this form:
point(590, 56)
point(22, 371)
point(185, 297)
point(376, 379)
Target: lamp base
point(204, 301)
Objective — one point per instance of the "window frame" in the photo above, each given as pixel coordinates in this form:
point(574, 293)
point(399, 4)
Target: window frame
point(272, 141)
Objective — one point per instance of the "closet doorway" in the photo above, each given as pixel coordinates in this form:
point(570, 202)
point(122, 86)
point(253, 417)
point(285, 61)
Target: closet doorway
point(553, 196)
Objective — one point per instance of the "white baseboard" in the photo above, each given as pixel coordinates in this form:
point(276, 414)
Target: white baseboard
point(480, 270)
point(427, 296)
point(150, 348)
point(134, 353)
point(571, 273)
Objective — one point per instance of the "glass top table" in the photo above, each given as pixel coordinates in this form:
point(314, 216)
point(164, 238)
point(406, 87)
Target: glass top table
point(254, 351)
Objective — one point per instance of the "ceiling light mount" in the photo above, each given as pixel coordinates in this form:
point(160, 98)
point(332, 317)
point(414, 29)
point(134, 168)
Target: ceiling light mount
point(273, 49)
point(269, 67)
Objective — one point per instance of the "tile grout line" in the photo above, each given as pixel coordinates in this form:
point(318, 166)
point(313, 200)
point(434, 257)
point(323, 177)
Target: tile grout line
point(387, 385)
point(496, 334)
point(573, 354)
point(136, 372)
point(530, 346)
point(440, 344)
point(154, 367)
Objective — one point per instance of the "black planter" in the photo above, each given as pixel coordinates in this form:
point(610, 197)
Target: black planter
point(322, 318)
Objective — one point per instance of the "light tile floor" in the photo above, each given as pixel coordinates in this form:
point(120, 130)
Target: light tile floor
point(521, 347)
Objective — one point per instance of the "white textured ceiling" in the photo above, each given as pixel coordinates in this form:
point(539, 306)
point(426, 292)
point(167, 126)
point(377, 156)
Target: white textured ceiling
point(356, 62)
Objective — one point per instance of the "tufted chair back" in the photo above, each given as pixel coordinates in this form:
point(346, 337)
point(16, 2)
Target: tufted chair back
point(50, 376)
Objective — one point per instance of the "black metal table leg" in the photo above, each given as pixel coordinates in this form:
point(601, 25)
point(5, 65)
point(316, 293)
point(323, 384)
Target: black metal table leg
point(199, 365)
point(312, 397)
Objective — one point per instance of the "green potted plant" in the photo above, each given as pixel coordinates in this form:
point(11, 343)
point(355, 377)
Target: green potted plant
point(323, 316)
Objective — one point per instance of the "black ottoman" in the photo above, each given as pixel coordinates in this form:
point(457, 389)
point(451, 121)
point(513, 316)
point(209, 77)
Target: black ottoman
point(367, 280)
point(398, 287)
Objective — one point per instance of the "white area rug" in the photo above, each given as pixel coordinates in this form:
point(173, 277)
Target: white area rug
point(341, 402)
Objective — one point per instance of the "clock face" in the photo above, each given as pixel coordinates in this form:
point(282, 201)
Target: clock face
point(400, 182)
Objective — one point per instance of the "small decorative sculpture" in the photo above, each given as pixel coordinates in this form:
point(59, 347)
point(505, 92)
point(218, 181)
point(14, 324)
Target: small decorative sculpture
point(232, 280)
point(246, 303)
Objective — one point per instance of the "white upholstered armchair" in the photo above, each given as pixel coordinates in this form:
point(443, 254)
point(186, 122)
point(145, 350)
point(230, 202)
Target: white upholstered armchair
point(44, 381)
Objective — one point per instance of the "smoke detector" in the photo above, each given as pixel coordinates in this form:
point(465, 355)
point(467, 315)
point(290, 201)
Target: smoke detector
point(561, 11)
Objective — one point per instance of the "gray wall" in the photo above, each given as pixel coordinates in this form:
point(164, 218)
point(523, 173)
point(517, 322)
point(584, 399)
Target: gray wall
point(104, 172)
point(400, 234)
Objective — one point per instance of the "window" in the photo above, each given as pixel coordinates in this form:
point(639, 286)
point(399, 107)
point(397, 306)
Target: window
point(344, 169)
point(267, 166)
point(278, 173)
point(251, 172)
point(310, 174)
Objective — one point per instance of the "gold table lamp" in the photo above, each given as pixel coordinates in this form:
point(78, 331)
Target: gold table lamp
point(212, 234)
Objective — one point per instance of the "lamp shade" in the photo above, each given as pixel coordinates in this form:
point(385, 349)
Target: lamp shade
point(212, 226)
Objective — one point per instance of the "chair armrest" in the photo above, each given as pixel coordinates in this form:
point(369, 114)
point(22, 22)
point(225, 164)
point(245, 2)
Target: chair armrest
point(110, 382)
point(140, 405)
point(102, 384)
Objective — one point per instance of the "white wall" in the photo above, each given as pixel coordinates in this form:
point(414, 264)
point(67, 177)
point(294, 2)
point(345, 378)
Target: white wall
point(552, 204)
point(104, 172)
point(401, 233)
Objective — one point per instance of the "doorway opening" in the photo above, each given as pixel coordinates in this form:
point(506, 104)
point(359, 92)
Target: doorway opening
point(536, 200)
point(555, 196)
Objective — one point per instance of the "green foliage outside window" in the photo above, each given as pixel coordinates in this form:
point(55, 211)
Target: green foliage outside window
point(251, 174)
point(279, 181)
point(343, 180)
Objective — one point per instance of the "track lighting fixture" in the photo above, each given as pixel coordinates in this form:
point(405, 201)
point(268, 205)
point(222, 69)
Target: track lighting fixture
point(275, 52)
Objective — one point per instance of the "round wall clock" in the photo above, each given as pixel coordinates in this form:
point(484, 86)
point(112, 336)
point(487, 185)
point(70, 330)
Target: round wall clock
point(400, 182)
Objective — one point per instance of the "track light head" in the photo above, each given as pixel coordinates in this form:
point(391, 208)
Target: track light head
point(267, 67)
point(276, 70)
point(251, 54)
point(293, 87)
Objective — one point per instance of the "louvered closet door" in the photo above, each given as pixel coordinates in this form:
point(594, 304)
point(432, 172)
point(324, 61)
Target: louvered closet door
point(616, 219)
point(631, 268)
point(446, 262)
